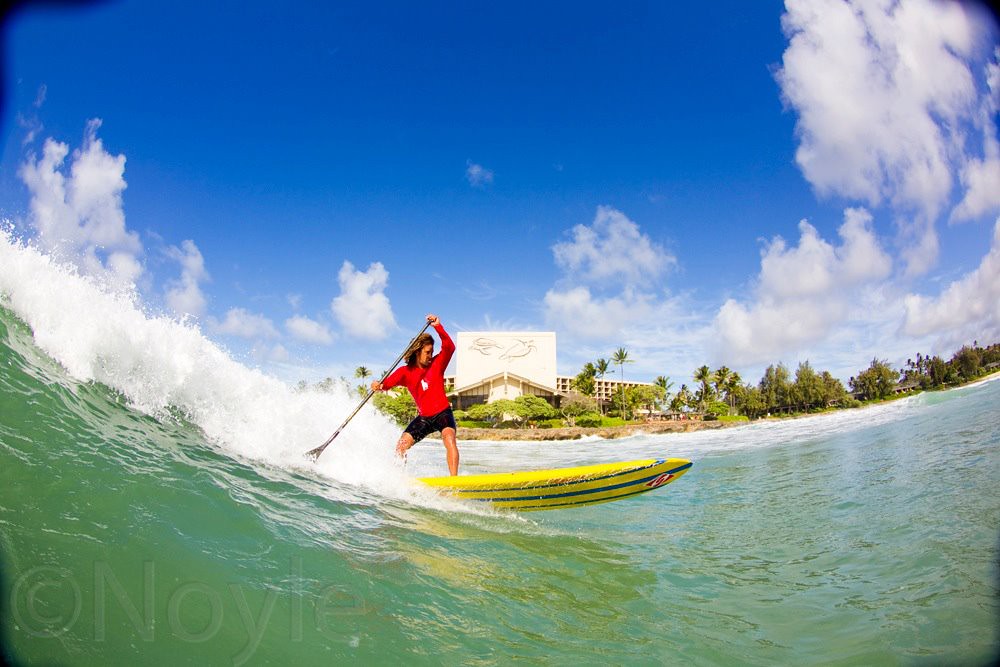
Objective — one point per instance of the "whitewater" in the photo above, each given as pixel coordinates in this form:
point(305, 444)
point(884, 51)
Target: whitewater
point(156, 507)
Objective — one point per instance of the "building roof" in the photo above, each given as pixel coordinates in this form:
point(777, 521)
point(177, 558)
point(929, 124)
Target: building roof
point(496, 376)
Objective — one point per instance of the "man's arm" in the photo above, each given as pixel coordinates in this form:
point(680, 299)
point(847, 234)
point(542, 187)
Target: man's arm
point(393, 380)
point(447, 345)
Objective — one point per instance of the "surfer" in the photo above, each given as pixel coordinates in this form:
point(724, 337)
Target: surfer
point(423, 375)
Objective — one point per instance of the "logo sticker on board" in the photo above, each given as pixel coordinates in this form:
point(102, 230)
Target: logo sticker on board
point(659, 481)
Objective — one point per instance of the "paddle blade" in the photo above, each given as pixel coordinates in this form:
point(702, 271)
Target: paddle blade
point(313, 454)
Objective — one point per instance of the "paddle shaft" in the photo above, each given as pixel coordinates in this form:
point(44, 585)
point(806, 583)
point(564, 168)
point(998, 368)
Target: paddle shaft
point(314, 453)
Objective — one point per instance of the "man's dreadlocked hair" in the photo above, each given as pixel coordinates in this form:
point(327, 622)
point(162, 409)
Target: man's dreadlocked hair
point(415, 346)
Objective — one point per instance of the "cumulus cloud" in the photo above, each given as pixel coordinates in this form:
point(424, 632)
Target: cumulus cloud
point(80, 216)
point(244, 324)
point(888, 102)
point(478, 175)
point(609, 268)
point(803, 292)
point(612, 248)
point(362, 308)
point(308, 331)
point(184, 295)
point(579, 312)
point(967, 310)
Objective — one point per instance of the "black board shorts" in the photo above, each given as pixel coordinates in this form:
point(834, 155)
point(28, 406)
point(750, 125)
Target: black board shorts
point(421, 427)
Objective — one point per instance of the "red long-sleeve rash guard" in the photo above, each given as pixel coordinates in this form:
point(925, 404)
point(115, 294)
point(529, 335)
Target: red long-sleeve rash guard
point(426, 385)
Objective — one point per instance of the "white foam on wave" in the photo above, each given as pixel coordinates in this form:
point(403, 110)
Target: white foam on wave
point(162, 365)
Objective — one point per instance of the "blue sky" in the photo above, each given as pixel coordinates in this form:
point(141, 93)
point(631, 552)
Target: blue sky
point(735, 183)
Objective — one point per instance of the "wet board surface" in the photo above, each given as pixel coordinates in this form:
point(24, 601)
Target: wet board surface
point(563, 487)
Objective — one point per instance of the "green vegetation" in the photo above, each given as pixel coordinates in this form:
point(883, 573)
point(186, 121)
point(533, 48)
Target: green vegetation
point(397, 403)
point(722, 394)
point(777, 392)
point(519, 412)
point(810, 391)
point(735, 419)
point(590, 420)
point(621, 358)
point(362, 373)
point(876, 382)
point(584, 380)
point(968, 364)
point(718, 395)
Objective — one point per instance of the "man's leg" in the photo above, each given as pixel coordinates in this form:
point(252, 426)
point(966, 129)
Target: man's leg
point(403, 444)
point(451, 449)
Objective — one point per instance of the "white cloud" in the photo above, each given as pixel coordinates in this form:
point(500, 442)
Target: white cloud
point(887, 100)
point(578, 312)
point(81, 217)
point(815, 267)
point(803, 293)
point(308, 331)
point(609, 268)
point(967, 310)
point(478, 175)
point(612, 249)
point(184, 295)
point(244, 324)
point(362, 308)
point(981, 179)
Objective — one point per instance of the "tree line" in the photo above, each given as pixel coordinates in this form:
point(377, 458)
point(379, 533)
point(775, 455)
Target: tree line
point(722, 392)
point(712, 393)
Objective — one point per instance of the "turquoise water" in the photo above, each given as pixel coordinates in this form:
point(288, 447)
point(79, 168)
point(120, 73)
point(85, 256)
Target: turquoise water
point(155, 509)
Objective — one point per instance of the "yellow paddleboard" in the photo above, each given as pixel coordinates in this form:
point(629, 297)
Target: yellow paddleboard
point(563, 487)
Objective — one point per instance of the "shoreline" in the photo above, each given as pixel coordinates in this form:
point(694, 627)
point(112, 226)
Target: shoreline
point(578, 432)
point(656, 428)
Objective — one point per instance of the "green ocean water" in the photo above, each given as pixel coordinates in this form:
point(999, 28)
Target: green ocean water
point(861, 538)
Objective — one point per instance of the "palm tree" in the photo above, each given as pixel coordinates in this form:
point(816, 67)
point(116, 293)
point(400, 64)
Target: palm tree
point(620, 357)
point(601, 367)
point(733, 385)
point(664, 383)
point(362, 372)
point(721, 378)
point(682, 399)
point(704, 376)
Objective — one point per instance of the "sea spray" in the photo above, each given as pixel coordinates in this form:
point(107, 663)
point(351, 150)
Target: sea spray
point(163, 366)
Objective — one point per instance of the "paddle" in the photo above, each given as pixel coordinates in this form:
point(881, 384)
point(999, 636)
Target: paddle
point(314, 453)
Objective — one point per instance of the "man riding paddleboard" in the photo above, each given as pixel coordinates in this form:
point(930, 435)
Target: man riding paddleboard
point(423, 376)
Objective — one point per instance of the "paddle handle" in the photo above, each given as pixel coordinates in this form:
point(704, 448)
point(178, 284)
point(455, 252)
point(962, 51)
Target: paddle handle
point(315, 453)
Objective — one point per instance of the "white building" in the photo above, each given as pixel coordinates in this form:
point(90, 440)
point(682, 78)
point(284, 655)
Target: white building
point(490, 365)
